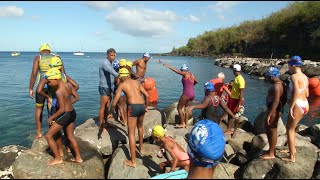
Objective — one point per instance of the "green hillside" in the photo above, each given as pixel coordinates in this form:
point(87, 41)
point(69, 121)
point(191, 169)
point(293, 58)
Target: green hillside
point(292, 30)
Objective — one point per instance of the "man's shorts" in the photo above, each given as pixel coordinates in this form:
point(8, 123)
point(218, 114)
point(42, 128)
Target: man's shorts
point(104, 91)
point(233, 107)
point(40, 99)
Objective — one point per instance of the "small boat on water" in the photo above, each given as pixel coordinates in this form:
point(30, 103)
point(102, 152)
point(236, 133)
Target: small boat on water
point(79, 53)
point(15, 54)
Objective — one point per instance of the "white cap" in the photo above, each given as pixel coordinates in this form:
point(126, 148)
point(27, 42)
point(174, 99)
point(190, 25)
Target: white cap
point(146, 54)
point(221, 75)
point(184, 67)
point(237, 67)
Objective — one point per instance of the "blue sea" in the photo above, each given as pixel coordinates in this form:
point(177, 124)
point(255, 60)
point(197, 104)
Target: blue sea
point(17, 122)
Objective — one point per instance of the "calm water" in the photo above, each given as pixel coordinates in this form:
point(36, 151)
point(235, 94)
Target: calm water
point(17, 123)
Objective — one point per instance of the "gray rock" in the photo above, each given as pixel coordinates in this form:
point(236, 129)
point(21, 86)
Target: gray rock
point(172, 115)
point(8, 155)
point(260, 120)
point(226, 171)
point(32, 164)
point(106, 142)
point(147, 165)
point(279, 169)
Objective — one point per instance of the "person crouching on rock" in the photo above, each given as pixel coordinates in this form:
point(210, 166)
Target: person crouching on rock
point(65, 116)
point(178, 154)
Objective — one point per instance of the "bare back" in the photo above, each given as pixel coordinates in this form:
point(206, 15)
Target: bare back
point(64, 92)
point(141, 67)
point(134, 91)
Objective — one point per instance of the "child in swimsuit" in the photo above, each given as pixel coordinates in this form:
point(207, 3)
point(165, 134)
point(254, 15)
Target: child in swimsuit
point(179, 155)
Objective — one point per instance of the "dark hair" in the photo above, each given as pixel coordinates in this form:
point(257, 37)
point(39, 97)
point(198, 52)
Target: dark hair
point(110, 50)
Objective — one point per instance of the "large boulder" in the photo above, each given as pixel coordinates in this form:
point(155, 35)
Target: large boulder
point(172, 115)
point(278, 169)
point(106, 142)
point(32, 164)
point(260, 120)
point(147, 164)
point(8, 155)
point(226, 171)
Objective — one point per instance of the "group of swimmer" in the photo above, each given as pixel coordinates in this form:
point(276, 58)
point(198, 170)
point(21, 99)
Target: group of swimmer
point(122, 94)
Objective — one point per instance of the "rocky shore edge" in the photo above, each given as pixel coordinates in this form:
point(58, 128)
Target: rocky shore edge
point(103, 153)
point(258, 66)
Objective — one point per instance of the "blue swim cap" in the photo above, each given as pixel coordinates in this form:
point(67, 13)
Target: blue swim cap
point(272, 72)
point(184, 67)
point(209, 86)
point(206, 143)
point(295, 61)
point(116, 65)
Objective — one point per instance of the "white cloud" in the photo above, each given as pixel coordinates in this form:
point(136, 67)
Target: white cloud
point(142, 22)
point(101, 4)
point(11, 11)
point(192, 18)
point(222, 6)
point(221, 17)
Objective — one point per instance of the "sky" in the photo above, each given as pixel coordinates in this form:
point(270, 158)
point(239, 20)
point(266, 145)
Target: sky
point(127, 26)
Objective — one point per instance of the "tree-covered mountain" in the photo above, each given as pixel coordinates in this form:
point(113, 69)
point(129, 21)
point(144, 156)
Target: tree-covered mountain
point(292, 30)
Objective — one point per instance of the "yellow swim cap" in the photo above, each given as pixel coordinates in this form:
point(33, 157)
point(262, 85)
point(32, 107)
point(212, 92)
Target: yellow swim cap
point(53, 73)
point(122, 62)
point(158, 131)
point(55, 62)
point(44, 47)
point(123, 72)
point(129, 63)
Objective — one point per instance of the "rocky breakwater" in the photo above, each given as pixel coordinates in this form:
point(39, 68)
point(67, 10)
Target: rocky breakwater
point(258, 66)
point(103, 153)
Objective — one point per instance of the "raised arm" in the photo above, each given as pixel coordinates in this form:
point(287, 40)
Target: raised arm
point(175, 70)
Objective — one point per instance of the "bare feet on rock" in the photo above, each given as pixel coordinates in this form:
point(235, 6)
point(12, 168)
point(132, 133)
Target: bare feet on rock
point(285, 151)
point(55, 161)
point(267, 156)
point(76, 160)
point(180, 126)
point(37, 136)
point(129, 163)
point(289, 160)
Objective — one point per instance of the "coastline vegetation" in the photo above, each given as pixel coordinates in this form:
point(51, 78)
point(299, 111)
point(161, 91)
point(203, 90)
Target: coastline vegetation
point(292, 30)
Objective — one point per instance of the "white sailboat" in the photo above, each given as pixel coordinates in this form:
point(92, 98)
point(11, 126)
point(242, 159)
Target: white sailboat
point(15, 53)
point(79, 53)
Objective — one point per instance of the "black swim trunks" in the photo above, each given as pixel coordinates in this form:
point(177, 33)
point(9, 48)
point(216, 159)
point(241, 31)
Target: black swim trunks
point(136, 110)
point(41, 99)
point(66, 118)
